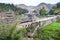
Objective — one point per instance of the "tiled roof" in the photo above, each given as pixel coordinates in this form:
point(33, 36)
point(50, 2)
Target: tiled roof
point(2, 15)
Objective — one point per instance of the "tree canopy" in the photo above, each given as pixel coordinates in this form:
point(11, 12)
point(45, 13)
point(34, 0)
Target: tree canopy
point(42, 11)
point(6, 7)
point(55, 9)
point(58, 5)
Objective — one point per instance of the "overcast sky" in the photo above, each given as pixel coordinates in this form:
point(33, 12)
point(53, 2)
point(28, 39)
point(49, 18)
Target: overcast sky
point(29, 2)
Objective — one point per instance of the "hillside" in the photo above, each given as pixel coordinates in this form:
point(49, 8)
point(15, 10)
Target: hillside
point(6, 7)
point(37, 8)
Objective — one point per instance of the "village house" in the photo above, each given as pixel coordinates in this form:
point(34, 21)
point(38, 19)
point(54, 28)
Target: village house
point(7, 16)
point(2, 15)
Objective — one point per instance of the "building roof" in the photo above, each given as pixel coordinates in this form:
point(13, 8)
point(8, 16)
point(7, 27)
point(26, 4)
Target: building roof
point(2, 15)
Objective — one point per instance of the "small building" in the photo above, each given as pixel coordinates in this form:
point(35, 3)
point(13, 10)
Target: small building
point(2, 15)
point(7, 16)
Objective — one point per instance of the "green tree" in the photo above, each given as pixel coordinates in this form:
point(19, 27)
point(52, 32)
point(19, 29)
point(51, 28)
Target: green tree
point(5, 7)
point(11, 32)
point(51, 12)
point(58, 5)
point(42, 11)
point(55, 9)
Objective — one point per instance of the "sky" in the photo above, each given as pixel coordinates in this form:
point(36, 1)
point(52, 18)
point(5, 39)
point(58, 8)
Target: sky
point(29, 2)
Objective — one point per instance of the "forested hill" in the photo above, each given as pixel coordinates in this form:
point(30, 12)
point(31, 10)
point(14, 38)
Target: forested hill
point(6, 7)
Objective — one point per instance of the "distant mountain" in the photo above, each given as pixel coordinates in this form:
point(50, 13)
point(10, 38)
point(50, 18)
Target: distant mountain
point(40, 6)
point(25, 7)
point(48, 7)
point(31, 7)
point(21, 6)
point(58, 4)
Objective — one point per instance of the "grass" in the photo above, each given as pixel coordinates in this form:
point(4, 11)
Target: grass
point(53, 26)
point(52, 30)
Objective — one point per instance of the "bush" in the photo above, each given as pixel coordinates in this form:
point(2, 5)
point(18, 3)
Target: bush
point(51, 31)
point(11, 32)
